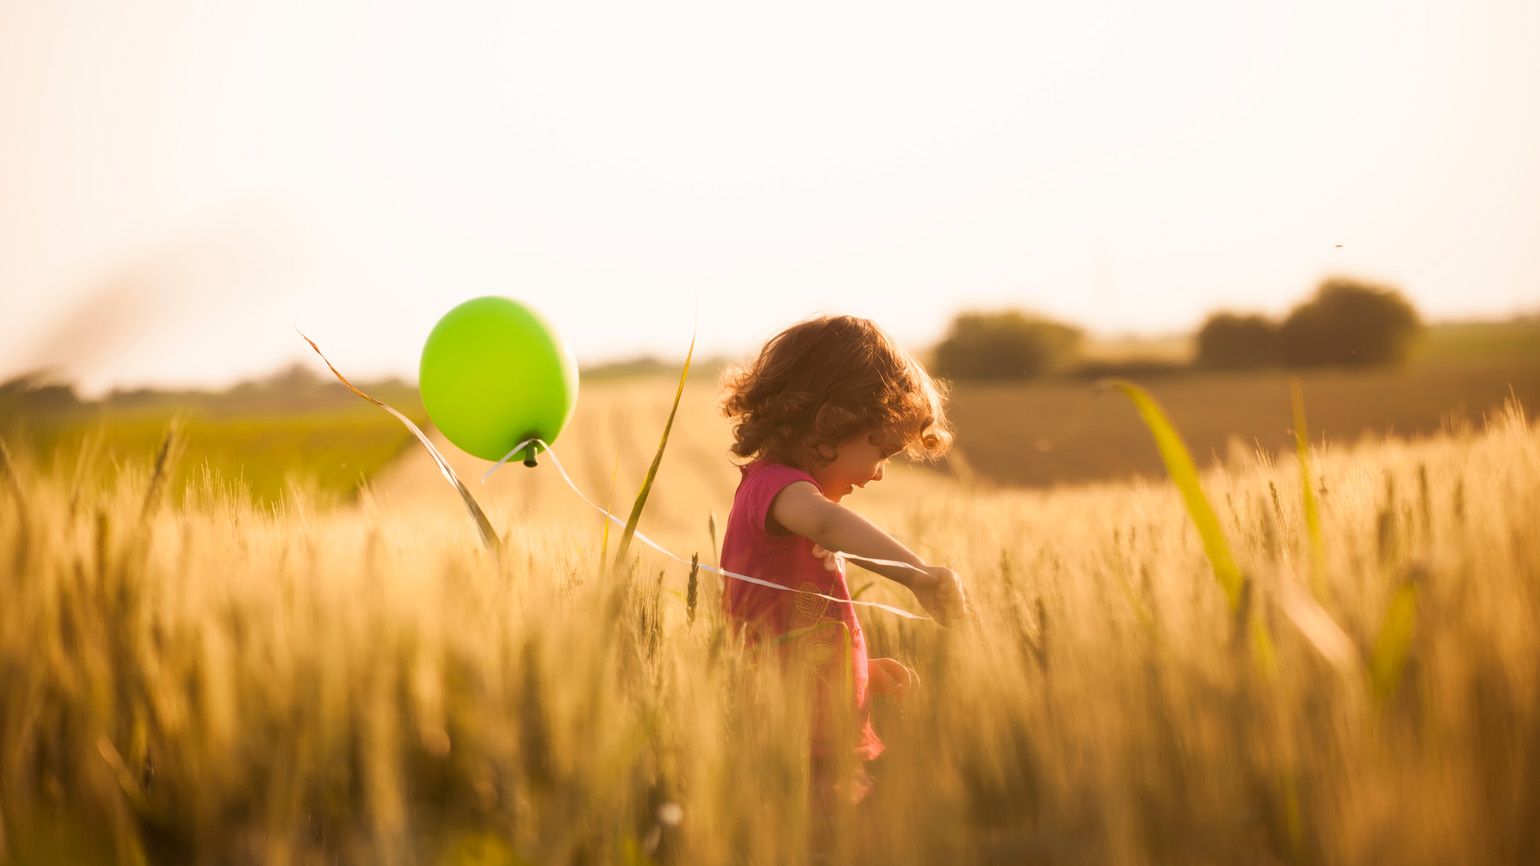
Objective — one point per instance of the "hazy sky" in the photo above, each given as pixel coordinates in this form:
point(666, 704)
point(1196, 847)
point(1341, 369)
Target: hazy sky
point(182, 184)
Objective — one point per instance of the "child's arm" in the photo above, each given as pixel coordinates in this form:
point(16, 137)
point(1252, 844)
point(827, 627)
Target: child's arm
point(801, 508)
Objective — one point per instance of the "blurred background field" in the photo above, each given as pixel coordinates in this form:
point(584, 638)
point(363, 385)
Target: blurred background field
point(1054, 431)
point(292, 428)
point(299, 426)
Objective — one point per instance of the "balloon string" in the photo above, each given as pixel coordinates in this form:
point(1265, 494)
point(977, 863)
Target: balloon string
point(483, 525)
point(509, 456)
point(838, 554)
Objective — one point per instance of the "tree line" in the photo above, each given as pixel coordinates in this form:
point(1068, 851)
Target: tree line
point(1346, 322)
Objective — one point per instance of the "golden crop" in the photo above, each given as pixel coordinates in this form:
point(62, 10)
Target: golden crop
point(198, 679)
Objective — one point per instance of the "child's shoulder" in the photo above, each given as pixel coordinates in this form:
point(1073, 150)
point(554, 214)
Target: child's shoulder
point(766, 470)
point(762, 482)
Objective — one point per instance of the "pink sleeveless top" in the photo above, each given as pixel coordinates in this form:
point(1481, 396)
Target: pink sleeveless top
point(754, 545)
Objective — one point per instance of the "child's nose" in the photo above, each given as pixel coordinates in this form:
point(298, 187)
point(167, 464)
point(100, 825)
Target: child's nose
point(878, 476)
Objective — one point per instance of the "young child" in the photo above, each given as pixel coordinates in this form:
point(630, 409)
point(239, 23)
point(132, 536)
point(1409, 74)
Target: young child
point(826, 402)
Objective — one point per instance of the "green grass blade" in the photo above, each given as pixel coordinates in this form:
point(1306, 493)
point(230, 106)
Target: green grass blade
point(1387, 658)
point(652, 471)
point(1179, 465)
point(1184, 473)
point(1312, 511)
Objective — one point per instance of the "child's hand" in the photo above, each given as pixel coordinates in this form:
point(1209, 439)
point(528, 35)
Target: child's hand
point(829, 563)
point(940, 591)
point(891, 678)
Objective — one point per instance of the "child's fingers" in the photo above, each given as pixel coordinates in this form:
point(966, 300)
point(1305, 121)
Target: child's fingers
point(896, 684)
point(829, 563)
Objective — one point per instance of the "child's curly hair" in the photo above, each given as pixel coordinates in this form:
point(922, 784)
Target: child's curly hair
point(822, 381)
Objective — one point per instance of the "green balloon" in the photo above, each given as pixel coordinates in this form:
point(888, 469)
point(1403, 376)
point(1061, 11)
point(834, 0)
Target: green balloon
point(493, 374)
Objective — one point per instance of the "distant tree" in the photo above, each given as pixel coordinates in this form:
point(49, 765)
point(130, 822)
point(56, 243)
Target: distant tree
point(1349, 322)
point(36, 390)
point(1007, 344)
point(1231, 342)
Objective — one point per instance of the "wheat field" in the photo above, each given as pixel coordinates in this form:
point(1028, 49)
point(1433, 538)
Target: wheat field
point(214, 682)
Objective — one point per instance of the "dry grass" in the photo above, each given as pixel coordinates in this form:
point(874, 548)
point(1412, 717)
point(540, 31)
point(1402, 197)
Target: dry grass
point(207, 681)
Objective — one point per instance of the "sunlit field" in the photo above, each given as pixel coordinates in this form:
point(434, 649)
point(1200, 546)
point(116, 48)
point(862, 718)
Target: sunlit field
point(186, 676)
point(288, 430)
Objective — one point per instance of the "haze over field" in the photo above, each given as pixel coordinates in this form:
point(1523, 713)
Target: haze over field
point(185, 185)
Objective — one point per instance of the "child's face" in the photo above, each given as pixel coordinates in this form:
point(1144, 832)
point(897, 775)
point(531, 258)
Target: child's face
point(857, 462)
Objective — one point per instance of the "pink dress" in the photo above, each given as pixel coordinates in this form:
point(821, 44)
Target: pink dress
point(756, 546)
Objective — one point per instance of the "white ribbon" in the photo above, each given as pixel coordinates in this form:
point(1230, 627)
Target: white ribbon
point(838, 555)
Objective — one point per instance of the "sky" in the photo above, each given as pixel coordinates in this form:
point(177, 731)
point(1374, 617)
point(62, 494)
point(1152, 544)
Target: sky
point(183, 185)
